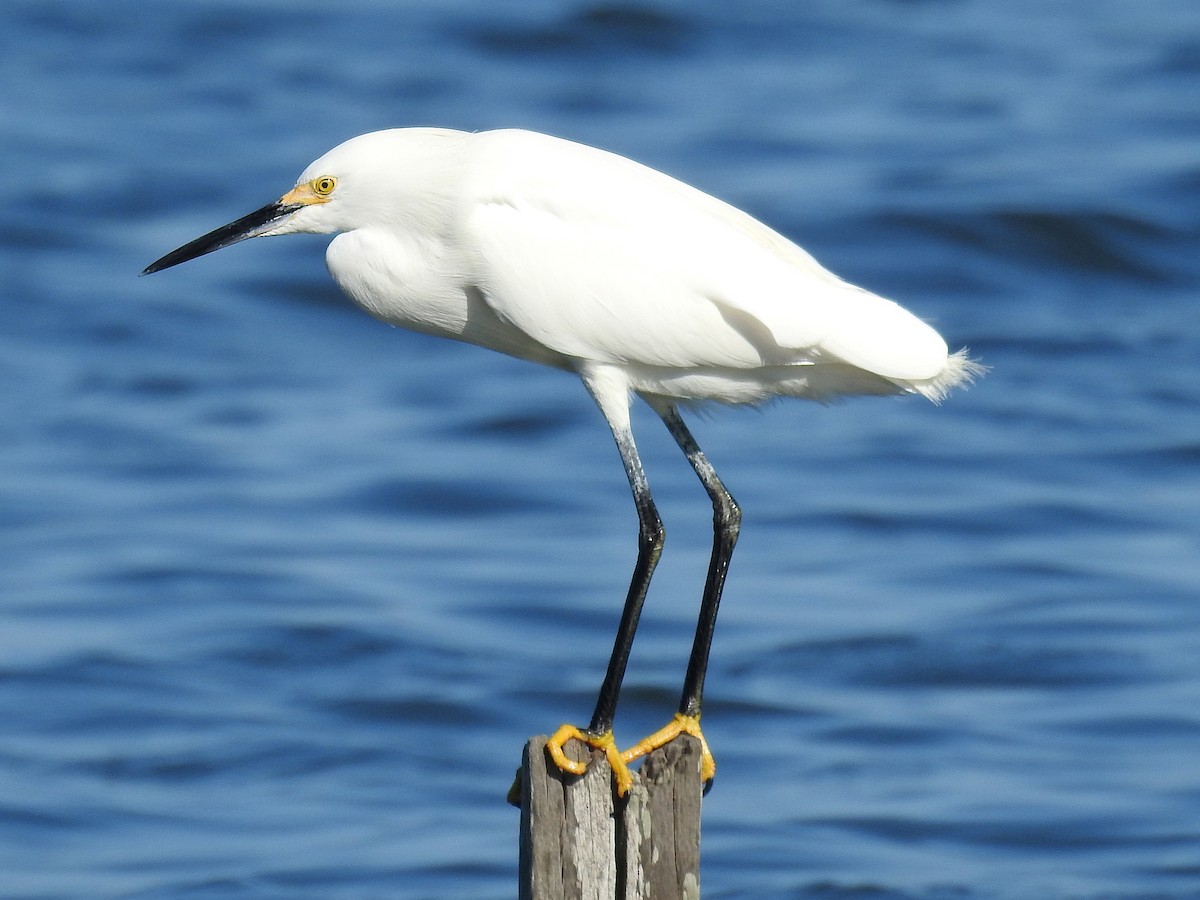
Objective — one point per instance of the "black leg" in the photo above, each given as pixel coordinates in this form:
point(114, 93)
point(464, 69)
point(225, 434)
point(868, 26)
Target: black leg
point(727, 518)
point(610, 389)
point(650, 544)
point(727, 521)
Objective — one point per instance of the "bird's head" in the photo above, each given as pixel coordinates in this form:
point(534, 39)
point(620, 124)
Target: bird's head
point(299, 210)
point(354, 184)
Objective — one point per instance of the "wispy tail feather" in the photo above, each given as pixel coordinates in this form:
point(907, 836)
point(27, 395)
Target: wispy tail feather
point(960, 371)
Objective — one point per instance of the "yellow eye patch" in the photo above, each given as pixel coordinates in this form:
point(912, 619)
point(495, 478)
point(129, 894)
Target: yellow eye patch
point(315, 190)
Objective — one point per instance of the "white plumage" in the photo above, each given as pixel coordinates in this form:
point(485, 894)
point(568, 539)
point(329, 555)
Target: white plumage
point(564, 254)
point(580, 259)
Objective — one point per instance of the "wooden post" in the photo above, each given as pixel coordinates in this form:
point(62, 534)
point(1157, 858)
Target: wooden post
point(580, 842)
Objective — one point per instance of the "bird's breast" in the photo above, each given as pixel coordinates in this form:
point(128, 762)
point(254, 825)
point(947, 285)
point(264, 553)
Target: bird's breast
point(401, 279)
point(425, 285)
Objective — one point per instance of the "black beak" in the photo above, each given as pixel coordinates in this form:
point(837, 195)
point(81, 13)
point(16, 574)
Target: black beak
point(246, 227)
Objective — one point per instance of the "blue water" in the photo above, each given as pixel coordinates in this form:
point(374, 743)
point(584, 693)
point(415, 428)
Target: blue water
point(283, 591)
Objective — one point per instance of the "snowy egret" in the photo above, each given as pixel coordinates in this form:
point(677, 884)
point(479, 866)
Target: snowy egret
point(576, 258)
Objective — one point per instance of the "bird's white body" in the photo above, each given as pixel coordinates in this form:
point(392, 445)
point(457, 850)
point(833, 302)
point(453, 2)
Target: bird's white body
point(570, 256)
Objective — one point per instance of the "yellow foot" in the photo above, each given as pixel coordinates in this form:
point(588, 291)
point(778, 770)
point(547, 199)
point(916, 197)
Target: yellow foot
point(603, 742)
point(681, 724)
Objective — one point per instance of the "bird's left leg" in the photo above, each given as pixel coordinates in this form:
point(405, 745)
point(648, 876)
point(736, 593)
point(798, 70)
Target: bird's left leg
point(612, 396)
point(727, 520)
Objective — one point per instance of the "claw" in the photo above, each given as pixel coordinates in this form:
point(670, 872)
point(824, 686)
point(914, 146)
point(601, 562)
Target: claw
point(681, 724)
point(603, 742)
point(619, 760)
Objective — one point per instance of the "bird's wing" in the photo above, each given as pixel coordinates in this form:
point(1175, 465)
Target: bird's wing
point(600, 258)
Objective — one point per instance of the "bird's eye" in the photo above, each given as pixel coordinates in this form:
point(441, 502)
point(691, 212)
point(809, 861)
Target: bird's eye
point(324, 185)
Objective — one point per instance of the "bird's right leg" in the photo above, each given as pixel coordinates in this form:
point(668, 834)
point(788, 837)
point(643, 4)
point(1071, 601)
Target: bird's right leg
point(614, 403)
point(727, 519)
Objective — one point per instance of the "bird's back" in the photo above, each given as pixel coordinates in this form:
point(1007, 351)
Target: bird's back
point(601, 258)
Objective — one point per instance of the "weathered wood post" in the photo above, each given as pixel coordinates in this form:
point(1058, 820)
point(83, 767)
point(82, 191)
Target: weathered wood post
point(579, 841)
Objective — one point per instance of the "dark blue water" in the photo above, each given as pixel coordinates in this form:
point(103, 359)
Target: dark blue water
point(283, 591)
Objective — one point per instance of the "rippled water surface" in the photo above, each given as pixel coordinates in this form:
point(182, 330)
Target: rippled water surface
point(283, 591)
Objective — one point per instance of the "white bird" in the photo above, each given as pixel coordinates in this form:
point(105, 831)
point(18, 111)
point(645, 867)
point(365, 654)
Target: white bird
point(580, 259)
